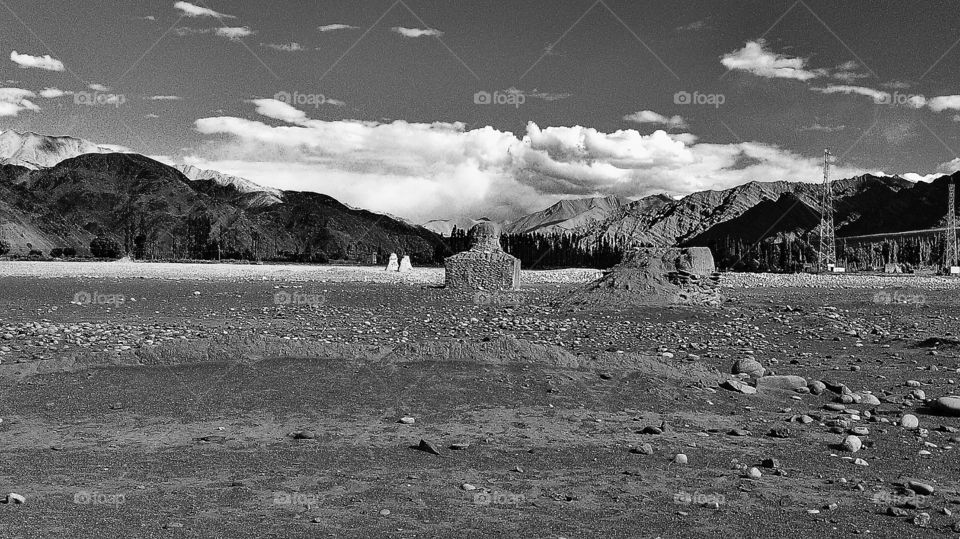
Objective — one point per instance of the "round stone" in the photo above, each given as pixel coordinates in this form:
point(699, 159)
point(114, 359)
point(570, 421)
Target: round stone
point(909, 421)
point(680, 458)
point(852, 443)
point(748, 366)
point(948, 405)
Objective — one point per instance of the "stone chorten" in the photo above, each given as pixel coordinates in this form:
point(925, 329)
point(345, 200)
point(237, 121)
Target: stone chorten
point(485, 266)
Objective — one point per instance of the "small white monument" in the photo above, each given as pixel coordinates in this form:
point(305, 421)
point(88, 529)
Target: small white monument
point(393, 265)
point(405, 265)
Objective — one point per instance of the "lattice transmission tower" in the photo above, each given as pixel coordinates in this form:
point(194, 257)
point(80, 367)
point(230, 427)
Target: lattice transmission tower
point(827, 255)
point(952, 251)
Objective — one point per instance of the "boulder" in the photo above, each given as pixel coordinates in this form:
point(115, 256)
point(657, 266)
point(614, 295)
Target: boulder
point(947, 405)
point(784, 382)
point(748, 366)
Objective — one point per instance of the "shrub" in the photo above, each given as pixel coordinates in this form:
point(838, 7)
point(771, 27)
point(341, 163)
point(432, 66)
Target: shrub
point(4, 247)
point(104, 247)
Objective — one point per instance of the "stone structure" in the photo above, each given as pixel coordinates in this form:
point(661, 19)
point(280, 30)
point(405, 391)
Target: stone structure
point(405, 265)
point(485, 266)
point(392, 265)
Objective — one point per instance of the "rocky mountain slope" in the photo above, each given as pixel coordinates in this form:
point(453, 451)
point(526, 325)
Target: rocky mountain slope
point(156, 211)
point(568, 215)
point(266, 196)
point(445, 227)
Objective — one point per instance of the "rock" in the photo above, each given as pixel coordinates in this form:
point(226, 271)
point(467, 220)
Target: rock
point(920, 488)
point(860, 431)
point(861, 462)
point(680, 458)
point(897, 512)
point(947, 405)
point(384, 512)
point(459, 446)
point(427, 447)
point(304, 435)
point(869, 399)
point(650, 429)
point(816, 387)
point(922, 520)
point(754, 473)
point(909, 421)
point(738, 432)
point(643, 449)
point(783, 382)
point(773, 464)
point(748, 366)
point(407, 420)
point(912, 383)
point(918, 394)
point(852, 444)
point(15, 498)
point(739, 387)
point(468, 487)
point(780, 432)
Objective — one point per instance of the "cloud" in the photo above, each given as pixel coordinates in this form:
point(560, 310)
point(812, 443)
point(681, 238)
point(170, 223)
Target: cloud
point(692, 27)
point(53, 93)
point(847, 72)
point(949, 167)
point(189, 10)
point(816, 126)
point(39, 62)
point(650, 117)
point(417, 32)
point(230, 32)
point(165, 98)
point(944, 102)
point(434, 170)
point(896, 85)
point(145, 18)
point(878, 96)
point(98, 87)
point(233, 32)
point(755, 58)
point(15, 100)
point(284, 47)
point(335, 27)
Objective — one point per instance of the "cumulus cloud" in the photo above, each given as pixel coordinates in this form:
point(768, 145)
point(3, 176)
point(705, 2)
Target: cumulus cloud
point(189, 10)
point(417, 32)
point(233, 32)
point(53, 93)
point(15, 100)
point(98, 87)
point(944, 102)
point(39, 62)
point(423, 171)
point(284, 47)
point(755, 58)
point(651, 117)
point(335, 27)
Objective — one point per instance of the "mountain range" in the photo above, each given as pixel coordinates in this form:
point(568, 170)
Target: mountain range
point(63, 192)
point(155, 210)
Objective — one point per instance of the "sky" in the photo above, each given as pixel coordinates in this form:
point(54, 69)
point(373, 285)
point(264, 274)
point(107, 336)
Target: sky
point(447, 109)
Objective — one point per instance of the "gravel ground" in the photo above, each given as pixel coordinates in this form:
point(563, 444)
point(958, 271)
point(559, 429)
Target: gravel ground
point(266, 272)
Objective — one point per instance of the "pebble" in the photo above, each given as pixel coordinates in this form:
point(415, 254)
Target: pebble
point(909, 421)
point(852, 444)
point(407, 420)
point(384, 512)
point(644, 449)
point(468, 487)
point(754, 473)
point(15, 498)
point(680, 458)
point(922, 520)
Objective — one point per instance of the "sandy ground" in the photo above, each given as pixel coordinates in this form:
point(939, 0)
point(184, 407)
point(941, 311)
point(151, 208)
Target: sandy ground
point(170, 413)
